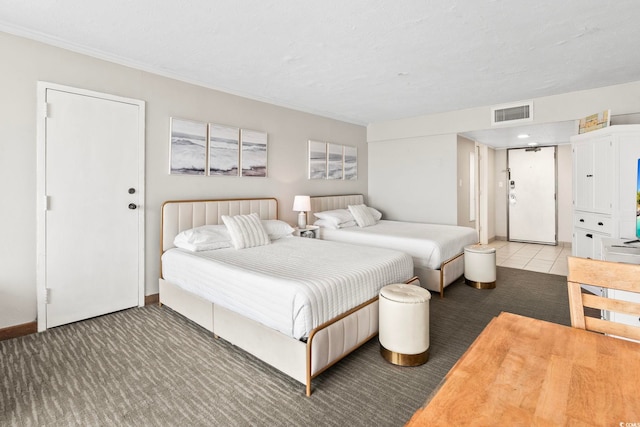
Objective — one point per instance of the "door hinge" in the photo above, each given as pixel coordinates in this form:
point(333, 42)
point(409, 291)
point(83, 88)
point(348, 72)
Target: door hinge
point(46, 203)
point(47, 296)
point(45, 110)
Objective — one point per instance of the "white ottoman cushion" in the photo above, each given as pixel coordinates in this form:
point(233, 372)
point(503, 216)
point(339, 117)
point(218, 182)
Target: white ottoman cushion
point(404, 319)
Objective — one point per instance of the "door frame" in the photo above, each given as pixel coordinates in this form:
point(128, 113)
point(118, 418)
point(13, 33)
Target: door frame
point(42, 199)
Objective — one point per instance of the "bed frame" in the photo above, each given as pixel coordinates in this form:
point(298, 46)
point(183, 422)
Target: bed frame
point(434, 280)
point(326, 345)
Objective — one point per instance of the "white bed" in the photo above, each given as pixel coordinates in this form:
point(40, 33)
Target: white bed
point(437, 250)
point(298, 304)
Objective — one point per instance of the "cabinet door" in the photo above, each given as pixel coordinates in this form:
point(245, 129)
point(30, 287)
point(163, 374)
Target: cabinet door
point(603, 175)
point(593, 175)
point(583, 176)
point(587, 243)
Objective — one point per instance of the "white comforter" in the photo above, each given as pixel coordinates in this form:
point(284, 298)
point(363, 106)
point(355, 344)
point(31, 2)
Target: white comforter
point(293, 284)
point(429, 244)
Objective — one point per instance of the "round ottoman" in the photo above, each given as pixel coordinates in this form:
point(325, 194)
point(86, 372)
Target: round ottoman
point(404, 324)
point(480, 266)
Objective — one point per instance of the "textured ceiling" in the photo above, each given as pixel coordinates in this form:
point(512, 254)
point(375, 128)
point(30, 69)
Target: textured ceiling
point(360, 61)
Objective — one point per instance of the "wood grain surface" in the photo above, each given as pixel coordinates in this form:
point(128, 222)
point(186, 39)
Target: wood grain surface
point(524, 371)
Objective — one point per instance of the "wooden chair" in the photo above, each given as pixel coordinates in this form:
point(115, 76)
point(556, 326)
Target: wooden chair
point(609, 275)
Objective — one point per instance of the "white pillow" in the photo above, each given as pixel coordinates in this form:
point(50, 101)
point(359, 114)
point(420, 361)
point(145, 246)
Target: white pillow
point(246, 231)
point(325, 223)
point(377, 215)
point(204, 238)
point(336, 216)
point(277, 229)
point(362, 214)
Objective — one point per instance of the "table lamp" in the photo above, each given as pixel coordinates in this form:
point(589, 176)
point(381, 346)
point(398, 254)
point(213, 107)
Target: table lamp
point(303, 205)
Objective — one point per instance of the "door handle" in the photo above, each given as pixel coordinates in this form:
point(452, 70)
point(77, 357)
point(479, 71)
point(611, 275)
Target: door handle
point(589, 235)
point(600, 223)
point(132, 206)
point(581, 220)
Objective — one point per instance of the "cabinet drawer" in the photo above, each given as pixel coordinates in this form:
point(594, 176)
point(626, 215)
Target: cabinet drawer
point(591, 221)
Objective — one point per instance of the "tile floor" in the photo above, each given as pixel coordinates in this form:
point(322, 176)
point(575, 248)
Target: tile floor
point(530, 256)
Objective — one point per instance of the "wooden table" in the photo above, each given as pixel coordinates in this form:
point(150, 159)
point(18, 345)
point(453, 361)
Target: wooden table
point(523, 372)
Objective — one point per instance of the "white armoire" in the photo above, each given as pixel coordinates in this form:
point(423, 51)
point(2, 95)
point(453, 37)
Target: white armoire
point(605, 165)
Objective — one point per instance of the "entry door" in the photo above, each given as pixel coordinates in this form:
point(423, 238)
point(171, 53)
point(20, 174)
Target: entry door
point(93, 221)
point(532, 195)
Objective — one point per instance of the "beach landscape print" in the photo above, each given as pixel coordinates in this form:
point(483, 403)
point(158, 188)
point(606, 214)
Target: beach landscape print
point(224, 150)
point(254, 153)
point(317, 160)
point(334, 161)
point(350, 163)
point(188, 147)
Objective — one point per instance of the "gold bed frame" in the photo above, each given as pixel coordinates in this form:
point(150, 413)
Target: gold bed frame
point(435, 280)
point(301, 361)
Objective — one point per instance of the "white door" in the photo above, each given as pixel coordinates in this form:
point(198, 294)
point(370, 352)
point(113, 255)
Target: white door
point(92, 230)
point(532, 194)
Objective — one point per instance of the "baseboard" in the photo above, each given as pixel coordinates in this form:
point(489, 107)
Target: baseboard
point(151, 299)
point(32, 327)
point(18, 330)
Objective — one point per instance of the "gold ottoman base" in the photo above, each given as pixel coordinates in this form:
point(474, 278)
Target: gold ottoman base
point(480, 285)
point(404, 359)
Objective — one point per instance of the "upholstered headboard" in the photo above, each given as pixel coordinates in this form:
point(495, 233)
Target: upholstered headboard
point(326, 203)
point(180, 215)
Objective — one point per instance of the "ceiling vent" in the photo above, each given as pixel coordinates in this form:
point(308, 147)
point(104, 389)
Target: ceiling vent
point(512, 113)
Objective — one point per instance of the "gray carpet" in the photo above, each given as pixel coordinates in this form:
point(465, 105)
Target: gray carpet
point(150, 366)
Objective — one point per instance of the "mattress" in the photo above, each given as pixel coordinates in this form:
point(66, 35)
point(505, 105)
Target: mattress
point(291, 285)
point(428, 244)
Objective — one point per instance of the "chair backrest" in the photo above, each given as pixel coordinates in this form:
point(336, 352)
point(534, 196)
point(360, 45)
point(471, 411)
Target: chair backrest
point(609, 275)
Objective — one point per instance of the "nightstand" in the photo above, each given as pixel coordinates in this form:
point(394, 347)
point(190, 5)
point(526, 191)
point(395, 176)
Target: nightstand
point(310, 231)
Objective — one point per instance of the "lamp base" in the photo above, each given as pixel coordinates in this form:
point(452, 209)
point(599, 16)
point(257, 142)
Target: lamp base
point(302, 220)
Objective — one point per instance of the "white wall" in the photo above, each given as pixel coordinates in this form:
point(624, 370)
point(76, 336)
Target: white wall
point(620, 99)
point(415, 179)
point(25, 62)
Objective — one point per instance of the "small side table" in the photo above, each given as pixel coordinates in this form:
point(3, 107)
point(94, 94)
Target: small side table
point(310, 231)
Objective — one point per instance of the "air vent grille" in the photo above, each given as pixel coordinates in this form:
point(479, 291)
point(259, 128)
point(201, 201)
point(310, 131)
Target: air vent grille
point(512, 113)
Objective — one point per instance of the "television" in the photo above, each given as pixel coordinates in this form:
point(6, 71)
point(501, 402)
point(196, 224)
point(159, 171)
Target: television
point(637, 206)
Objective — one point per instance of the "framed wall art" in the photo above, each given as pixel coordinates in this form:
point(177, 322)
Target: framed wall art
point(335, 162)
point(253, 153)
point(332, 161)
point(188, 147)
point(317, 160)
point(224, 150)
point(350, 163)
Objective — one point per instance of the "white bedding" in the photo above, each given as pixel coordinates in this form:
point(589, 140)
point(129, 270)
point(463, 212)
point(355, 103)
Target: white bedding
point(293, 284)
point(428, 244)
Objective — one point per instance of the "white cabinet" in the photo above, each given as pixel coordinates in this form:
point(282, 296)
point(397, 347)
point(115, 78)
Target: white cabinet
point(604, 187)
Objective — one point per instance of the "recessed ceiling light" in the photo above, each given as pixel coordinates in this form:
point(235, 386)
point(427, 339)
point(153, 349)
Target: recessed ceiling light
point(523, 136)
point(532, 144)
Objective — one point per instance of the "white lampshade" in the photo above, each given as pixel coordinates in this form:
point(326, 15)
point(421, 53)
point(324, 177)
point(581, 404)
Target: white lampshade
point(302, 203)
